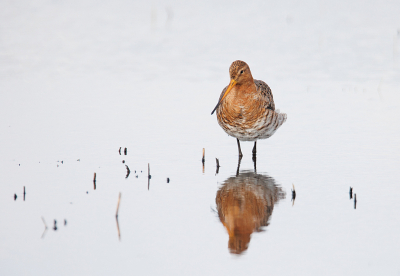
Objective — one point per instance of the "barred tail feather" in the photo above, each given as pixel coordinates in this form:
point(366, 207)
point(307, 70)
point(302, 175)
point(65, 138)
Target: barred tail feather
point(281, 117)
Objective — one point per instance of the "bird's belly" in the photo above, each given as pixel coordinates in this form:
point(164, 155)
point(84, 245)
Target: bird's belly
point(250, 128)
point(243, 132)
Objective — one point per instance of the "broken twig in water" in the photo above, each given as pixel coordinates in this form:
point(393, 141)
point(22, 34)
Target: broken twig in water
point(293, 194)
point(148, 176)
point(203, 160)
point(94, 181)
point(216, 159)
point(119, 199)
point(351, 192)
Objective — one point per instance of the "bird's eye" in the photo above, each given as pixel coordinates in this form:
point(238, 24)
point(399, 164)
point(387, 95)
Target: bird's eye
point(241, 72)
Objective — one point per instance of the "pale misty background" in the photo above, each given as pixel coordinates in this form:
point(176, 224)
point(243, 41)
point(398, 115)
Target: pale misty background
point(80, 79)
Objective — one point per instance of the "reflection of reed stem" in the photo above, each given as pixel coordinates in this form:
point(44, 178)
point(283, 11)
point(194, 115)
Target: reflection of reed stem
point(116, 216)
point(94, 181)
point(355, 201)
point(45, 225)
point(119, 234)
point(203, 160)
point(45, 228)
point(119, 199)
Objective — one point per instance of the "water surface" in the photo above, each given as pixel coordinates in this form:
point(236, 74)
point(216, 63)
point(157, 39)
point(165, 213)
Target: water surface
point(79, 80)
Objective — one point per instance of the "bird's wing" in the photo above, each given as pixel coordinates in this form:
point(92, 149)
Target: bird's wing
point(220, 97)
point(222, 93)
point(266, 94)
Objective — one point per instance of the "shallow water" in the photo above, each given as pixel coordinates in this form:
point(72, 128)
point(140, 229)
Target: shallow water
point(80, 80)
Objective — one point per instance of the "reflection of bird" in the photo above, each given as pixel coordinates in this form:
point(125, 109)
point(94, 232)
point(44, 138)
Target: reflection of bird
point(245, 204)
point(246, 108)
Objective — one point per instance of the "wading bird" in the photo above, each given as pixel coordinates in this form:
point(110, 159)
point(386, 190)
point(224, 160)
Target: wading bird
point(246, 109)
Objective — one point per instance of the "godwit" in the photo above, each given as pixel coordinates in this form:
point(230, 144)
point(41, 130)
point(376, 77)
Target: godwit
point(246, 109)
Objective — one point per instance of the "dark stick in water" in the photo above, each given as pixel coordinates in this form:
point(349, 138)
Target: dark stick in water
point(128, 171)
point(148, 176)
point(293, 195)
point(203, 160)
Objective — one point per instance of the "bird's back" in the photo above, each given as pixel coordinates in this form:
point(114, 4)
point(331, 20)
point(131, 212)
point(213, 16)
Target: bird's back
point(265, 93)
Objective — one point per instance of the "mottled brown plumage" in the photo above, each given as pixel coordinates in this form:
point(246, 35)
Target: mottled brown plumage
point(245, 204)
point(246, 108)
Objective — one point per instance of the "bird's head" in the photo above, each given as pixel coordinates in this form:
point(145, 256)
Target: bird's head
point(239, 73)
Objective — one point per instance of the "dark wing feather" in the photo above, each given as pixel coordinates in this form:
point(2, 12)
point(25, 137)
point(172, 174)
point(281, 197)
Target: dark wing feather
point(222, 93)
point(265, 93)
point(220, 97)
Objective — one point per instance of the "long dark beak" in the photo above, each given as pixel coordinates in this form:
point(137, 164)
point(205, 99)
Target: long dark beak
point(231, 85)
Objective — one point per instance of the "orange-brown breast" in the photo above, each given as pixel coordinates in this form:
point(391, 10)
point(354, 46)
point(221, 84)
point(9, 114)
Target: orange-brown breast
point(247, 112)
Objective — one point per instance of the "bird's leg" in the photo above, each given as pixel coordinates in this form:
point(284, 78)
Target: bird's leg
point(238, 167)
point(255, 148)
point(255, 156)
point(240, 151)
point(255, 163)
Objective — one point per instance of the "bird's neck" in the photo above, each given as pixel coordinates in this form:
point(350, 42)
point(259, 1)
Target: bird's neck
point(245, 88)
